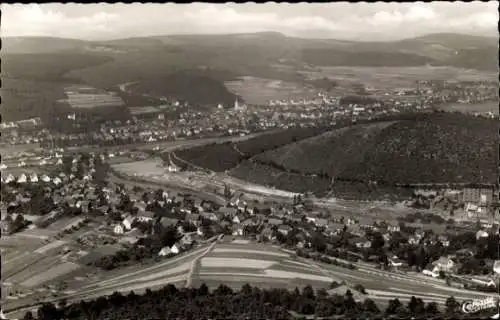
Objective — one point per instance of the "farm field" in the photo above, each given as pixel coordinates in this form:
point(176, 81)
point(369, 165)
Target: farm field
point(395, 77)
point(259, 91)
point(257, 264)
point(490, 106)
point(84, 97)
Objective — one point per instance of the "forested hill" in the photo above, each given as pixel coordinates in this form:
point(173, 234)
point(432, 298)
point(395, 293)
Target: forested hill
point(195, 88)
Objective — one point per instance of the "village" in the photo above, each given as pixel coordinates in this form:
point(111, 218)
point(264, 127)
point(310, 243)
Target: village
point(109, 225)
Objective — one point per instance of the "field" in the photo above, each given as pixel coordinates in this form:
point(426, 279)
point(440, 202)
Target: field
point(152, 167)
point(237, 263)
point(84, 97)
point(395, 77)
point(490, 106)
point(259, 91)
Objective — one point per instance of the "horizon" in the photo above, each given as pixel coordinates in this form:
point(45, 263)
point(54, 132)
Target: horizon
point(249, 33)
point(340, 21)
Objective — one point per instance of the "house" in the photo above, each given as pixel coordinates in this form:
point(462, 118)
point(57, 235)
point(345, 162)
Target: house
point(445, 242)
point(118, 229)
point(275, 222)
point(199, 231)
point(295, 218)
point(237, 230)
point(496, 267)
point(321, 223)
point(127, 222)
point(356, 230)
point(6, 226)
point(267, 233)
point(146, 216)
point(230, 212)
point(360, 242)
point(236, 220)
point(249, 222)
point(444, 264)
point(311, 219)
point(284, 229)
point(186, 240)
point(478, 196)
point(168, 222)
point(393, 227)
point(193, 218)
point(431, 271)
point(175, 248)
point(210, 216)
point(395, 262)
point(141, 206)
point(165, 251)
point(481, 234)
point(334, 228)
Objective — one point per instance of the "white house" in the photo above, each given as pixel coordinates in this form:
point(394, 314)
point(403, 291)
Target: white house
point(34, 177)
point(481, 234)
point(236, 219)
point(3, 166)
point(127, 222)
point(432, 271)
point(22, 178)
point(496, 267)
point(165, 251)
point(45, 178)
point(118, 229)
point(199, 231)
point(57, 180)
point(175, 249)
point(444, 264)
point(10, 178)
point(146, 216)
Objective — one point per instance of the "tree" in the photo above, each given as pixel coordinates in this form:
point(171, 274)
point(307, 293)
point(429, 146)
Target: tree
point(370, 306)
point(452, 306)
point(227, 192)
point(432, 308)
point(360, 288)
point(393, 306)
point(48, 311)
point(28, 316)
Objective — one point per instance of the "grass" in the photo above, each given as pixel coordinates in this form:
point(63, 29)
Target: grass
point(257, 264)
point(231, 263)
point(53, 245)
point(53, 273)
point(258, 91)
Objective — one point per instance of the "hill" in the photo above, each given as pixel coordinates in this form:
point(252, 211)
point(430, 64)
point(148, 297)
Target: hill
point(47, 66)
point(430, 148)
point(12, 45)
point(195, 88)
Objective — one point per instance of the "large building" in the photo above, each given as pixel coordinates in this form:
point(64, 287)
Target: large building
point(478, 203)
point(478, 196)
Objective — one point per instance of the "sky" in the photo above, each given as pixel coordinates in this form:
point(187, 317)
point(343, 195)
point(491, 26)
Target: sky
point(352, 21)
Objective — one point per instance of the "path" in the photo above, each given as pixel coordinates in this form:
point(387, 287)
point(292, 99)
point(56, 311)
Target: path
point(192, 268)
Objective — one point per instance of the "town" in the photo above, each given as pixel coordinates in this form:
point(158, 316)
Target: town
point(89, 219)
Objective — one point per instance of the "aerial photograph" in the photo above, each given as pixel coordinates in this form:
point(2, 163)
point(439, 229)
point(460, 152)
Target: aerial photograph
point(250, 161)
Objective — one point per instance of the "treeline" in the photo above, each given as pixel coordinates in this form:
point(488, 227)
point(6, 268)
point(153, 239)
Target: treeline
point(247, 303)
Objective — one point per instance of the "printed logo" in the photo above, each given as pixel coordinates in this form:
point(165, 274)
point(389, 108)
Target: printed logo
point(474, 306)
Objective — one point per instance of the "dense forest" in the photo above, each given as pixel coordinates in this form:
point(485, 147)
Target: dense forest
point(247, 303)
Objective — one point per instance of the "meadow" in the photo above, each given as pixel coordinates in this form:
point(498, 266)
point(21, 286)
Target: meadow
point(236, 263)
point(259, 91)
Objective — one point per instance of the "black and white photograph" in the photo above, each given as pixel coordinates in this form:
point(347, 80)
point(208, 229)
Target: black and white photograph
point(250, 161)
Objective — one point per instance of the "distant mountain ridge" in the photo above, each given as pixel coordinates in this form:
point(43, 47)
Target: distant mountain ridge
point(441, 49)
